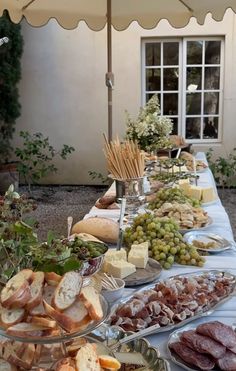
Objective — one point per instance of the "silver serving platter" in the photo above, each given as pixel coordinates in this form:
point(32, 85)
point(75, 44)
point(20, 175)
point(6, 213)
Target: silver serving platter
point(208, 223)
point(222, 243)
point(205, 312)
point(174, 357)
point(111, 335)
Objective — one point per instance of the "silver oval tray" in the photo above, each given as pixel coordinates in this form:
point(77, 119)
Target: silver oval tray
point(174, 357)
point(222, 243)
point(205, 312)
point(111, 335)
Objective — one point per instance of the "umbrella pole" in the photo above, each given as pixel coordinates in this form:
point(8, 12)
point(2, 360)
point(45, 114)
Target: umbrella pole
point(109, 74)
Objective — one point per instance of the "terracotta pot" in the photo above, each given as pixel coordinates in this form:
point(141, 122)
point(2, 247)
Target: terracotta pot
point(8, 175)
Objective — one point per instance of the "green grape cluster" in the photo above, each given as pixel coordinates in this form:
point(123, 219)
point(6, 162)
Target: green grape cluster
point(166, 244)
point(170, 195)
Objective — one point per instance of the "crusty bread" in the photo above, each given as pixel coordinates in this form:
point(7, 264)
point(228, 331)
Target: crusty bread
point(12, 316)
point(52, 278)
point(17, 287)
point(25, 329)
point(91, 300)
point(25, 361)
point(85, 237)
point(36, 290)
point(71, 319)
point(37, 354)
point(109, 362)
point(87, 359)
point(6, 366)
point(48, 293)
point(13, 350)
point(73, 348)
point(67, 290)
point(43, 321)
point(66, 364)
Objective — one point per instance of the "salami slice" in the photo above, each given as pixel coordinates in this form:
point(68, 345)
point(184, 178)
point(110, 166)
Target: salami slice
point(203, 344)
point(227, 362)
point(219, 332)
point(192, 357)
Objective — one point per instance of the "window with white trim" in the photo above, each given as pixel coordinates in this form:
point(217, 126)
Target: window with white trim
point(187, 76)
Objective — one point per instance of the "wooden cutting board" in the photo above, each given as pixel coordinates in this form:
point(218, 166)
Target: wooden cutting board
point(144, 275)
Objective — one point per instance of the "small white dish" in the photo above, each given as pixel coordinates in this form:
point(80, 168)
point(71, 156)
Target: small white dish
point(114, 294)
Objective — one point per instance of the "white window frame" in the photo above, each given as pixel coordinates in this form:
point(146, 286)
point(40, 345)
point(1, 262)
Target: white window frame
point(182, 81)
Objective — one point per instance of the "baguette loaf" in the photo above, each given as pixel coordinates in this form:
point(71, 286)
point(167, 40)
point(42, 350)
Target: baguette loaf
point(87, 359)
point(91, 300)
point(105, 229)
point(67, 290)
point(36, 290)
point(6, 366)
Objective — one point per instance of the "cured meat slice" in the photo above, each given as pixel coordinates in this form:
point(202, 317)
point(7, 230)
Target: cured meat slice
point(203, 344)
point(219, 332)
point(227, 362)
point(192, 357)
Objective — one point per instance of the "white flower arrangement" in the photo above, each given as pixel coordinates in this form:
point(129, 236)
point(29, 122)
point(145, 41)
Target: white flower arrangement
point(150, 130)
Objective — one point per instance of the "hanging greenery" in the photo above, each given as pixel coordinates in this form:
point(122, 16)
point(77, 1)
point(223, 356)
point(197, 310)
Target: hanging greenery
point(10, 75)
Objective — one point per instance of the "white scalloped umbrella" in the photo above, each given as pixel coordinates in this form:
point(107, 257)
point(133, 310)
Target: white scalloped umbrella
point(119, 13)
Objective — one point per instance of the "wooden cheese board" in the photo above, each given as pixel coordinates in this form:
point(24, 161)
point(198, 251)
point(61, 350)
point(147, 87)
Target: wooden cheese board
point(144, 275)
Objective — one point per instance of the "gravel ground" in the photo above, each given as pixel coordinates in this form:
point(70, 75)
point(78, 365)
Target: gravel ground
point(55, 204)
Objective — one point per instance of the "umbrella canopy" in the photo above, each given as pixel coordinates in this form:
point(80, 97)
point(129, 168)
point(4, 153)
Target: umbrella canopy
point(116, 13)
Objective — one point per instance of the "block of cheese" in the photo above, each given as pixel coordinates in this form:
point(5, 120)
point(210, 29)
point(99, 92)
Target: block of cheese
point(113, 255)
point(138, 257)
point(195, 192)
point(208, 194)
point(141, 246)
point(185, 188)
point(184, 181)
point(120, 268)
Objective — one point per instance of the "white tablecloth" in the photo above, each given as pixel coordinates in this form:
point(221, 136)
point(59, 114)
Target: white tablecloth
point(224, 261)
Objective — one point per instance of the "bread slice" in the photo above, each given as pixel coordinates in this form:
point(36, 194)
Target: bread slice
point(24, 329)
point(26, 359)
point(87, 358)
point(43, 321)
point(48, 293)
point(109, 362)
point(67, 290)
point(36, 290)
point(52, 278)
point(6, 366)
point(66, 364)
point(70, 320)
point(37, 354)
point(12, 316)
point(73, 348)
point(91, 300)
point(16, 289)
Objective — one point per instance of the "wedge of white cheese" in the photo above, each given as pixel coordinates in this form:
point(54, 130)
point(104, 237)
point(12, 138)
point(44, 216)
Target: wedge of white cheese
point(113, 255)
point(138, 257)
point(208, 194)
point(120, 269)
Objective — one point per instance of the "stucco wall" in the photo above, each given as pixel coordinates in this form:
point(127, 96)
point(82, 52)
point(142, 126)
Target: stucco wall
point(63, 92)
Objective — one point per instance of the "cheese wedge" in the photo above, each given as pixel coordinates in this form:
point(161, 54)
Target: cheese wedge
point(138, 257)
point(208, 194)
point(120, 269)
point(113, 255)
point(195, 192)
point(141, 246)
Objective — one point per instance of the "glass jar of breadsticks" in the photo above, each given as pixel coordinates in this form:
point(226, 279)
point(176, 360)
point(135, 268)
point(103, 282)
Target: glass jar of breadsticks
point(125, 163)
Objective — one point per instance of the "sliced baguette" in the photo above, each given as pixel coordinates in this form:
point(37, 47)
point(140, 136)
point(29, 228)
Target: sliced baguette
point(36, 290)
point(91, 300)
point(12, 316)
point(87, 359)
point(16, 288)
point(37, 354)
point(52, 278)
point(24, 329)
point(72, 319)
point(48, 293)
point(109, 362)
point(26, 359)
point(43, 321)
point(6, 366)
point(66, 364)
point(67, 290)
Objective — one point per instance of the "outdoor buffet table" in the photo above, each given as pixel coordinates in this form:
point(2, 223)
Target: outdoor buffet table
point(223, 261)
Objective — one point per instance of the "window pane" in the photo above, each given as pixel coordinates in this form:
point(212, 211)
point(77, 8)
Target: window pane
point(175, 125)
point(171, 78)
point(194, 52)
point(153, 53)
point(153, 79)
point(211, 103)
point(212, 52)
point(170, 104)
point(193, 104)
point(150, 95)
point(194, 76)
point(210, 127)
point(193, 128)
point(170, 53)
point(212, 78)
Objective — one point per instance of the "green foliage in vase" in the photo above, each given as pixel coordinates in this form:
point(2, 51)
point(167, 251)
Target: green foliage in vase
point(36, 157)
point(10, 75)
point(150, 129)
point(223, 168)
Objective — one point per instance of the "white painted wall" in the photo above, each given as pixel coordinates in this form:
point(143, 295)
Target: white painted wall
point(63, 92)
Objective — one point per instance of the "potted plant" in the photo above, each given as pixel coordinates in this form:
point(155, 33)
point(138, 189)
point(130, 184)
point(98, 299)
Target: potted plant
point(10, 109)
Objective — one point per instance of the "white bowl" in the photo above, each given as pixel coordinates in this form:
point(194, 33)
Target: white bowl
point(115, 294)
